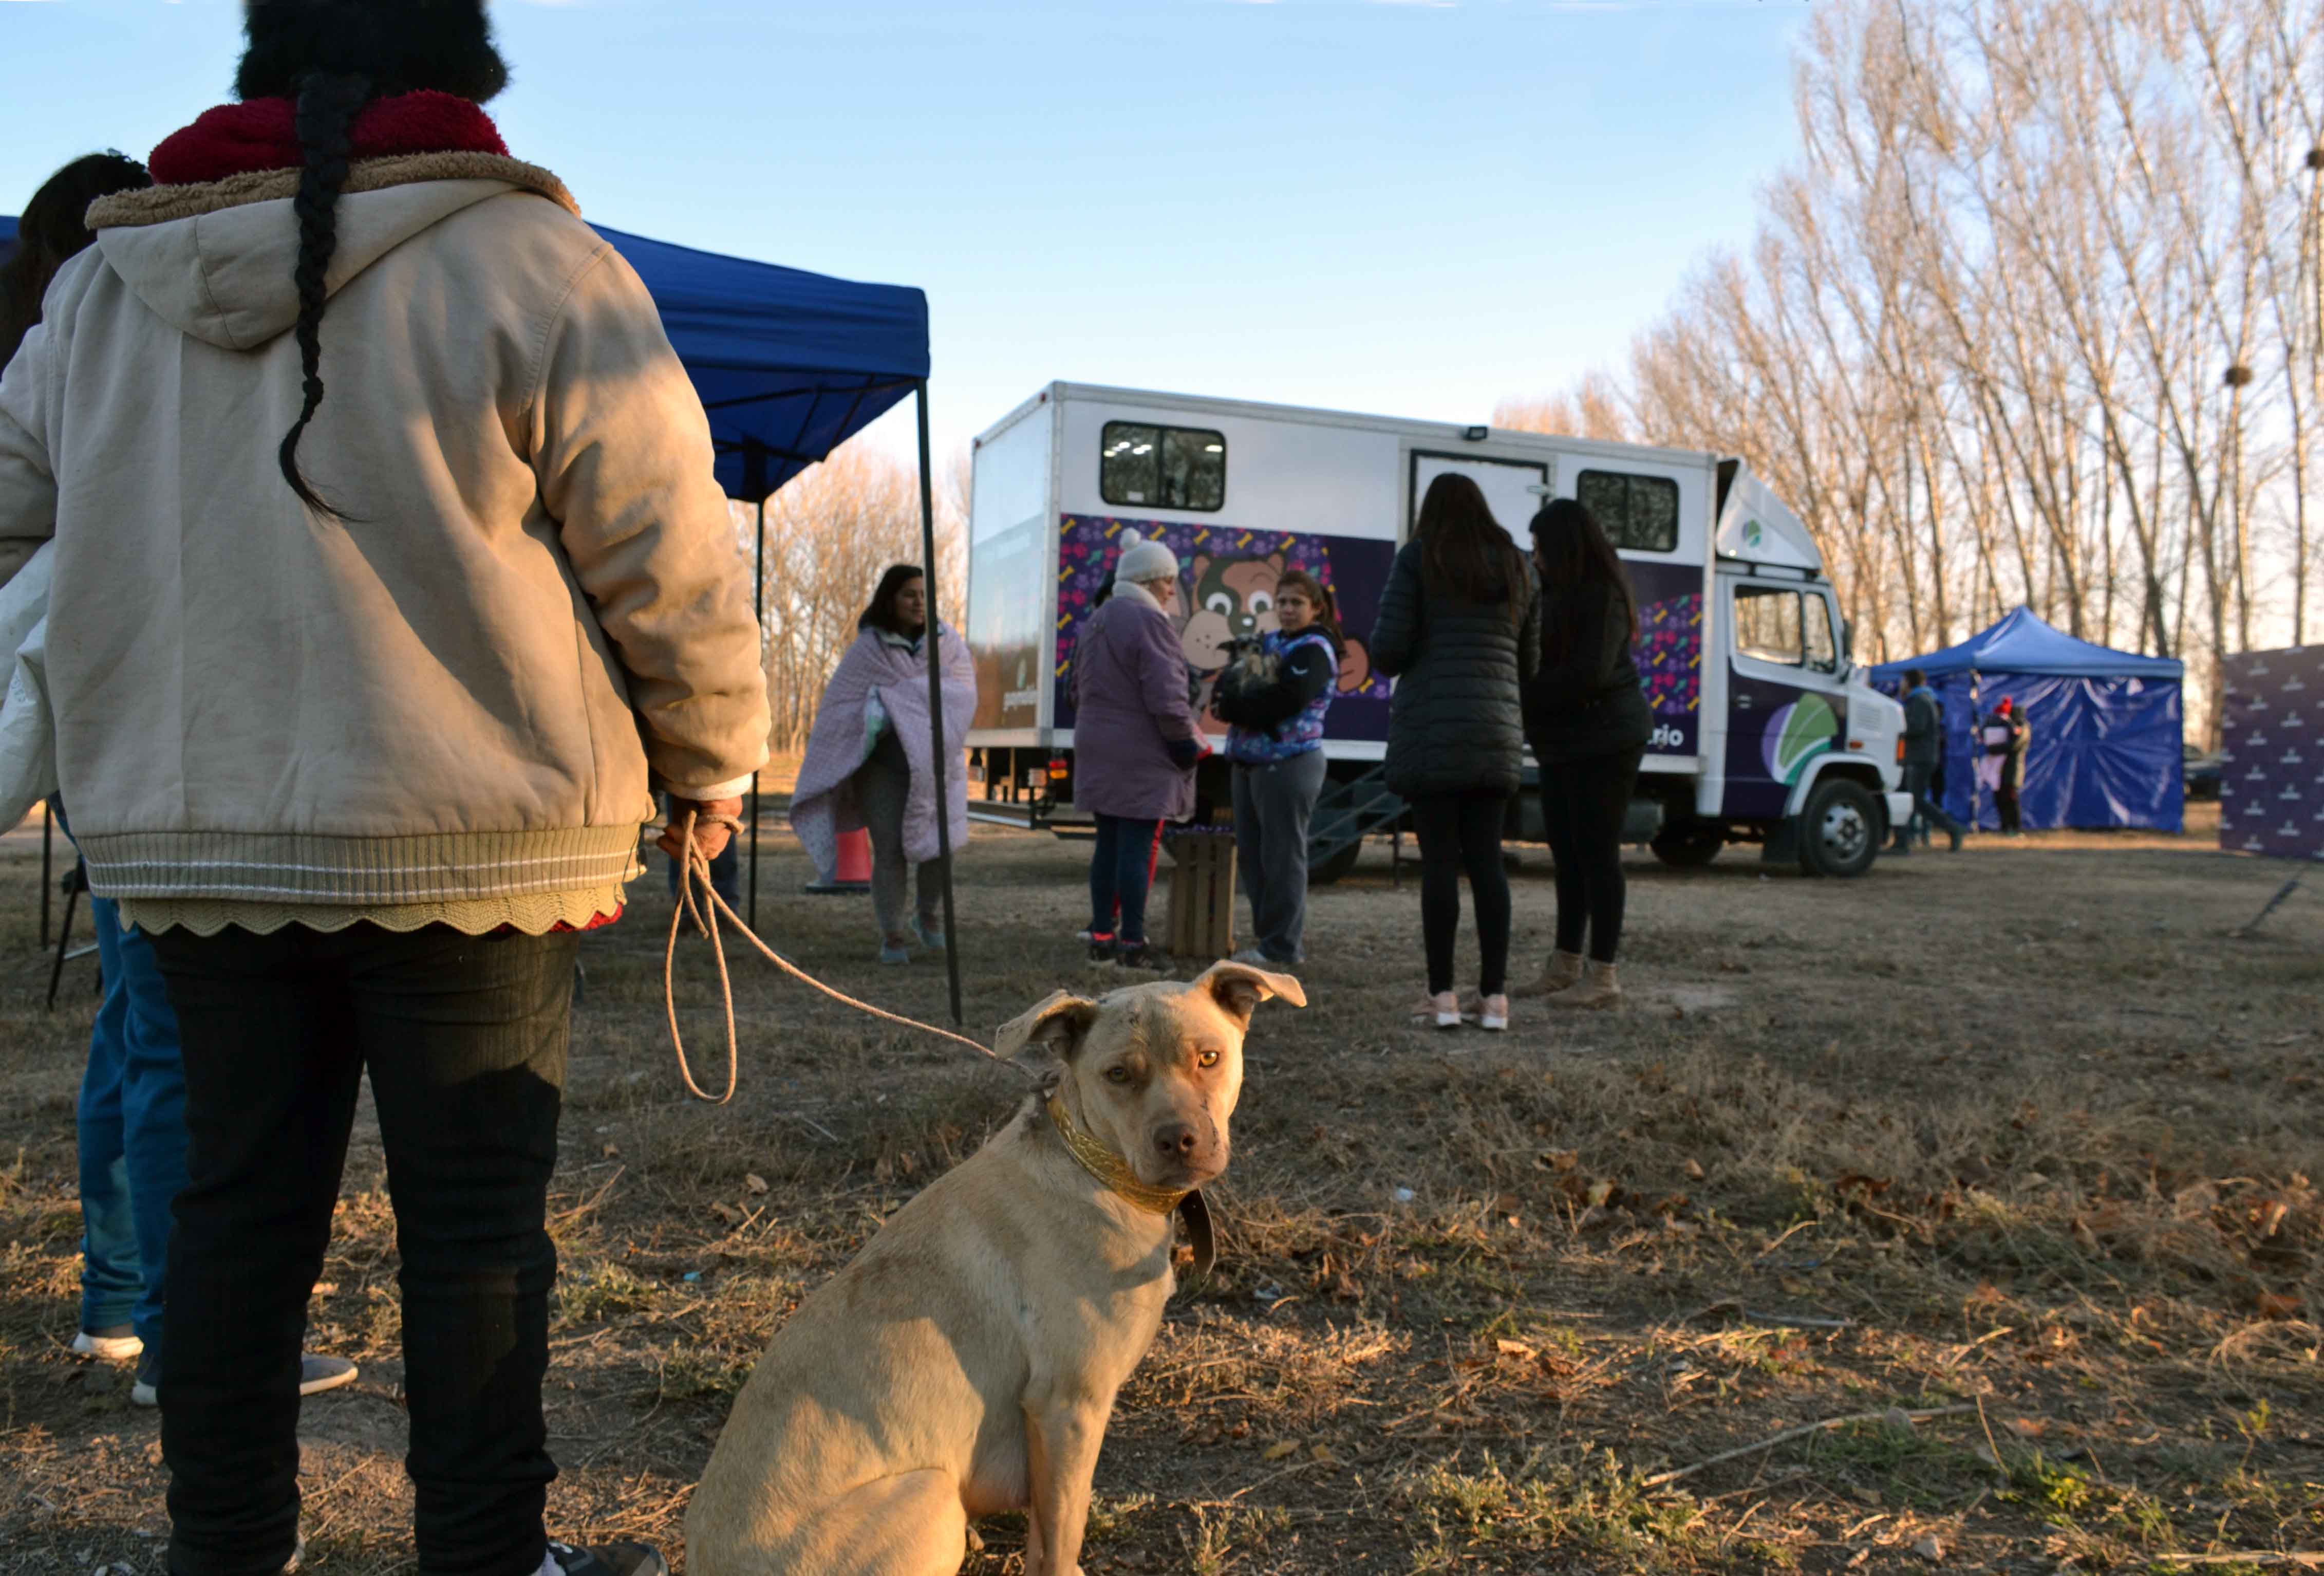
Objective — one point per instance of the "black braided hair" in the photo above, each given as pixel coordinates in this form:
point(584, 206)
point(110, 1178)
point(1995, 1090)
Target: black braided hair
point(334, 57)
point(327, 105)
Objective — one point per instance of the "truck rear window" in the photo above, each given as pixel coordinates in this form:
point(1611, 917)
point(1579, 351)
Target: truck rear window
point(1167, 467)
point(1639, 513)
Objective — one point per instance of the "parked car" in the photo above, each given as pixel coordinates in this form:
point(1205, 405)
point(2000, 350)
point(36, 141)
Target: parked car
point(2203, 768)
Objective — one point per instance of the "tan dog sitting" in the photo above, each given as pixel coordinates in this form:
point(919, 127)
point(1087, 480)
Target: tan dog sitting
point(966, 1362)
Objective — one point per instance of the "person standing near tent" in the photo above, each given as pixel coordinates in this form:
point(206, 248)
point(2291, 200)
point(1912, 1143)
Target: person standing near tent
point(868, 761)
point(369, 688)
point(2005, 741)
point(1588, 722)
point(1459, 631)
point(1924, 751)
point(1136, 741)
point(1275, 737)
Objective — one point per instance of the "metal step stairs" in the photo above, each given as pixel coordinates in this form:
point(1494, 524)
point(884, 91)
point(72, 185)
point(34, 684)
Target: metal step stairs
point(1349, 812)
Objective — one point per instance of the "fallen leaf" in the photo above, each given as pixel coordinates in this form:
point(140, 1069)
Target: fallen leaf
point(1322, 1454)
point(2277, 1305)
point(1507, 1204)
point(612, 1150)
point(1515, 1349)
point(2028, 1427)
point(1931, 1549)
point(1599, 1192)
point(1694, 1170)
point(725, 1212)
point(754, 1181)
point(1562, 1159)
point(1279, 1450)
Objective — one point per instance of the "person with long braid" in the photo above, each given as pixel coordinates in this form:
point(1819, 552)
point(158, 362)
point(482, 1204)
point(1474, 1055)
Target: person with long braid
point(398, 581)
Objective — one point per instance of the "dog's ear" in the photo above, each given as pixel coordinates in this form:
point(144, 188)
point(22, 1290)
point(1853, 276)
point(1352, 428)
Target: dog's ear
point(1059, 1023)
point(1239, 989)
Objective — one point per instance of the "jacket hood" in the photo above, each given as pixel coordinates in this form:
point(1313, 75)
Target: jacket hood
point(224, 276)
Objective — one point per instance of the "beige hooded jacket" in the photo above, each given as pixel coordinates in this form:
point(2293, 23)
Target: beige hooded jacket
point(533, 610)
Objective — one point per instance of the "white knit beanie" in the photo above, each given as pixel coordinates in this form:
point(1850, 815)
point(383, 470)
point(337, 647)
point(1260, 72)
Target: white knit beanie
point(1142, 561)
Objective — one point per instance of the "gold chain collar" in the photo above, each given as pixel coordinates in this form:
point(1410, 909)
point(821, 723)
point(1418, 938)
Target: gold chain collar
point(1108, 1167)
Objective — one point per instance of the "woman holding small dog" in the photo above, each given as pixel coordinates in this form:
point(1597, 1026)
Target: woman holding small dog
point(1587, 719)
point(1459, 630)
point(1136, 741)
point(1274, 700)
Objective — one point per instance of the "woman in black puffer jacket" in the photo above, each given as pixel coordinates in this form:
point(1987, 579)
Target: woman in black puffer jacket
point(1459, 631)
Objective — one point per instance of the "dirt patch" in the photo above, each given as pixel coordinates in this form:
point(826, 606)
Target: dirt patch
point(2008, 1156)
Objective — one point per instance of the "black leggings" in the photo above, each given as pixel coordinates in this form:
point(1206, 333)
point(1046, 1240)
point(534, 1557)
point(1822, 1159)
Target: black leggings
point(1583, 804)
point(1463, 833)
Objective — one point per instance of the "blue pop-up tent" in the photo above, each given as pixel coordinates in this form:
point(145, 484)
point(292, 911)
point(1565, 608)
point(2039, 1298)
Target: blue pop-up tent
point(2104, 727)
point(790, 365)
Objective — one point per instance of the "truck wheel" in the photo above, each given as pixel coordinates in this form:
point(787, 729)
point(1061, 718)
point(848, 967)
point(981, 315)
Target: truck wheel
point(1839, 829)
point(1688, 843)
point(1337, 866)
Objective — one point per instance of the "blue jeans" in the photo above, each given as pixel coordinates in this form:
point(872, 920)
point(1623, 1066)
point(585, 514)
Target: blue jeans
point(1122, 868)
point(132, 1135)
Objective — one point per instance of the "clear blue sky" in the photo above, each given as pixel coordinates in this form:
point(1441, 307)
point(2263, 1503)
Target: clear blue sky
point(1379, 205)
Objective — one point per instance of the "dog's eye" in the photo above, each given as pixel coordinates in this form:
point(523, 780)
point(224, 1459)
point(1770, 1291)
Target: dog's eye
point(1208, 1059)
point(1117, 1075)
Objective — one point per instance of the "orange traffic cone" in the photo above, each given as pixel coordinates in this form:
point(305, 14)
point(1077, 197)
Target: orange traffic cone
point(854, 872)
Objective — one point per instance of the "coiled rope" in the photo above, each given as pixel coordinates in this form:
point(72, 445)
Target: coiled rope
point(696, 865)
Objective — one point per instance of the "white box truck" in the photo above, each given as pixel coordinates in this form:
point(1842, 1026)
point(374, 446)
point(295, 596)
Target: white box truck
point(1765, 730)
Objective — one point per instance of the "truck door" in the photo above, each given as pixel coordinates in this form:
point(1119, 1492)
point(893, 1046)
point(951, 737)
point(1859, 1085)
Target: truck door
point(1784, 702)
point(1516, 488)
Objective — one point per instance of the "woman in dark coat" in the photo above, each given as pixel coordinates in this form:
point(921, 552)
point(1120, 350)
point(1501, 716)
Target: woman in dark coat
point(1135, 744)
point(1587, 719)
point(1459, 631)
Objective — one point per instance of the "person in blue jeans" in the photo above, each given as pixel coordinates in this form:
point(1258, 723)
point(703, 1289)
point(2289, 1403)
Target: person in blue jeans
point(133, 1147)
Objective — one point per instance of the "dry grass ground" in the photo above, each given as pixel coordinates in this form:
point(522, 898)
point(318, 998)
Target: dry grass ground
point(2011, 1151)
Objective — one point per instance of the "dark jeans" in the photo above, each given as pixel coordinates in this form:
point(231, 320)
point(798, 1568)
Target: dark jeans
point(2005, 798)
point(1918, 776)
point(1582, 805)
point(464, 1038)
point(1273, 803)
point(1122, 869)
point(1460, 832)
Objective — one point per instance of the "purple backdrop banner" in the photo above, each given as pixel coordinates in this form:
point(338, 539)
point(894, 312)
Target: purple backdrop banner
point(1226, 588)
point(2271, 784)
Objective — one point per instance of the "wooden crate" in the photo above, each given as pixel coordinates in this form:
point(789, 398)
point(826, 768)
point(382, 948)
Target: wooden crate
point(1201, 894)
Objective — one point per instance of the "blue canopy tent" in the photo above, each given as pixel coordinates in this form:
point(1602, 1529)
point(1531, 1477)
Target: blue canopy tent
point(790, 365)
point(2104, 727)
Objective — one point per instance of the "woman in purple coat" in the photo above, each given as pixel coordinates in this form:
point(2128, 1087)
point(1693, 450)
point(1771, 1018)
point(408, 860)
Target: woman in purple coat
point(1135, 743)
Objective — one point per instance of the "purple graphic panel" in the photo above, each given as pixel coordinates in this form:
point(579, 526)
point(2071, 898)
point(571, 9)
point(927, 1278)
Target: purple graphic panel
point(2272, 784)
point(1669, 653)
point(1226, 588)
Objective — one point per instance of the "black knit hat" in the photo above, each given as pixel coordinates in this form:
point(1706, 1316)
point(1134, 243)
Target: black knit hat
point(399, 46)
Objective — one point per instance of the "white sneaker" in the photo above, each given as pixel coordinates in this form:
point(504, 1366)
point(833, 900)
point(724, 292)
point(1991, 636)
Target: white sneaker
point(1493, 1013)
point(1441, 1010)
point(116, 1345)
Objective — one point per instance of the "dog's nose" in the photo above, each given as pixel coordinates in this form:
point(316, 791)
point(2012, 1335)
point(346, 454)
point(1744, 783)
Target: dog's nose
point(1175, 1140)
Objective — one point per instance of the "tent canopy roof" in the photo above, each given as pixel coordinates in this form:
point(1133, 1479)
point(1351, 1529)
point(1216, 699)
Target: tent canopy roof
point(789, 365)
point(2021, 642)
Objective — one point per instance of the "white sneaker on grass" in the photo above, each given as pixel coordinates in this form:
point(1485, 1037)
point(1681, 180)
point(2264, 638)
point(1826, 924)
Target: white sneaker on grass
point(116, 1343)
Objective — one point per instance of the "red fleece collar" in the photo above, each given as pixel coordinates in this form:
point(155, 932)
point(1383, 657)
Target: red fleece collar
point(262, 134)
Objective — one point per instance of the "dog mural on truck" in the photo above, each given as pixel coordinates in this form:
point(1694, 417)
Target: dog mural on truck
point(1226, 592)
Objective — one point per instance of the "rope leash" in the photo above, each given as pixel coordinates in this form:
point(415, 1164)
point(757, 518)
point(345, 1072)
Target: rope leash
point(696, 863)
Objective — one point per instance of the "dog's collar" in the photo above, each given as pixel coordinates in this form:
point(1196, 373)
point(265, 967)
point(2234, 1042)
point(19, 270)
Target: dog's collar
point(1107, 1166)
point(1115, 1172)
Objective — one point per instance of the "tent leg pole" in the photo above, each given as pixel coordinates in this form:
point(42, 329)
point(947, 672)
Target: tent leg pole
point(934, 645)
point(47, 862)
point(758, 615)
point(2273, 904)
